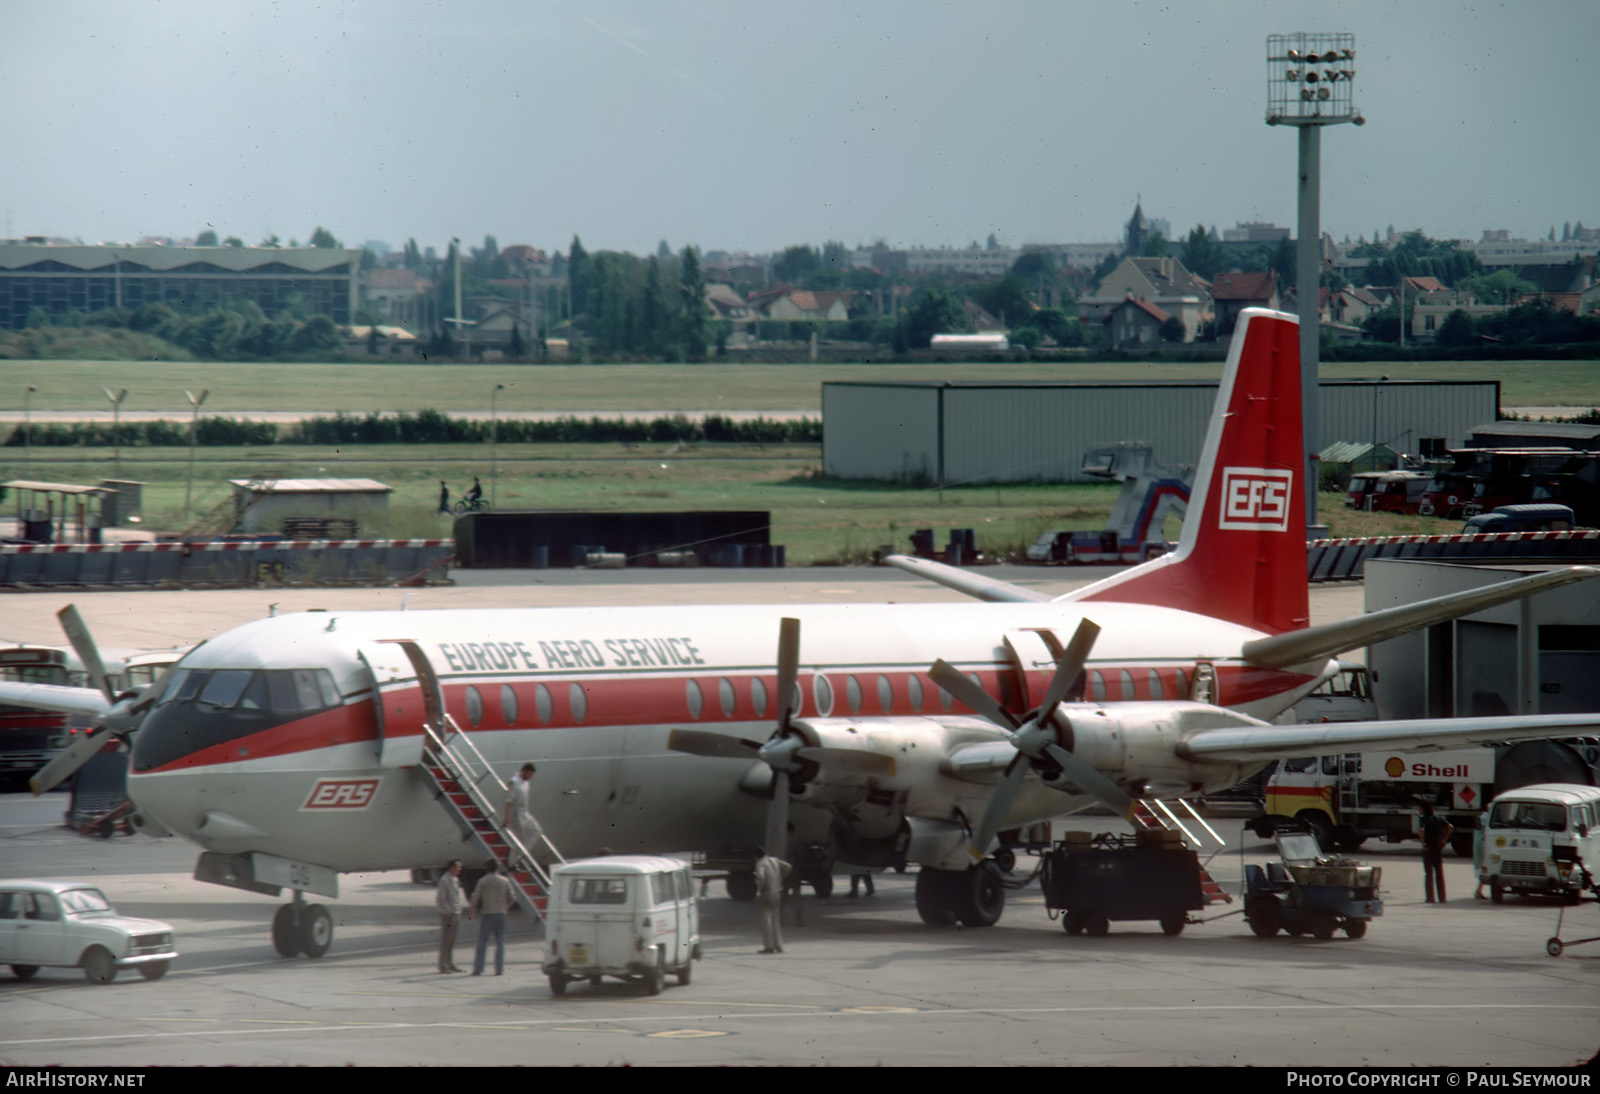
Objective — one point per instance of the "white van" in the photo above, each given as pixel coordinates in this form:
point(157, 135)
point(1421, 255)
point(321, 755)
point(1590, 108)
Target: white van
point(634, 917)
point(1543, 839)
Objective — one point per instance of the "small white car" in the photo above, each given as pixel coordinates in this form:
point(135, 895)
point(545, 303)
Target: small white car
point(70, 924)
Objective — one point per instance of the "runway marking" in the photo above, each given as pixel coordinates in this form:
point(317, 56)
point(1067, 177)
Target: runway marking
point(424, 994)
point(529, 1023)
point(880, 1010)
point(720, 1003)
point(687, 1033)
point(591, 1029)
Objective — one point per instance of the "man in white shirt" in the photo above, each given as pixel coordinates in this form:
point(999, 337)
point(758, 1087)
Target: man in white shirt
point(518, 817)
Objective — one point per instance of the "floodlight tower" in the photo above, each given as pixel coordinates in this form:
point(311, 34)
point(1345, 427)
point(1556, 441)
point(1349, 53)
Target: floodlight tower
point(1310, 84)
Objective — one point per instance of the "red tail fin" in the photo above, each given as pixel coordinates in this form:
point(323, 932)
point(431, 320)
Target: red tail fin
point(1242, 554)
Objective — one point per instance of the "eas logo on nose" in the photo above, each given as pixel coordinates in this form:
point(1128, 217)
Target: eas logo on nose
point(1256, 498)
point(341, 794)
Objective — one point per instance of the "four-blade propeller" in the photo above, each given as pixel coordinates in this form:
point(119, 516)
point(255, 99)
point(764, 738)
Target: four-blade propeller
point(120, 717)
point(786, 751)
point(1035, 739)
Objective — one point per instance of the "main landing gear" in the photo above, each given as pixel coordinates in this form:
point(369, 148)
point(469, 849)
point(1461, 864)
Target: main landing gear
point(973, 897)
point(302, 928)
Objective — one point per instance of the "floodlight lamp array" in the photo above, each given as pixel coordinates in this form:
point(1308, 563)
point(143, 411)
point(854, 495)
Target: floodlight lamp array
point(1310, 79)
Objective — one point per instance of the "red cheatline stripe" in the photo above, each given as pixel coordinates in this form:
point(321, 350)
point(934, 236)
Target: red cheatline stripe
point(234, 545)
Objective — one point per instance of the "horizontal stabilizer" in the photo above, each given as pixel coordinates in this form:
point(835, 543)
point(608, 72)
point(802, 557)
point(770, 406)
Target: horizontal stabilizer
point(974, 585)
point(1247, 743)
point(1315, 643)
point(57, 697)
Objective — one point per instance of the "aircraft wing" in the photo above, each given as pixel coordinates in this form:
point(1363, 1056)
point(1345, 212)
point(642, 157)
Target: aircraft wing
point(1315, 643)
point(974, 585)
point(58, 697)
point(1248, 743)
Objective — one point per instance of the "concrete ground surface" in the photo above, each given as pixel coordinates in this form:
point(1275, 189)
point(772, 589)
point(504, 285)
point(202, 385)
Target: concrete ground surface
point(862, 982)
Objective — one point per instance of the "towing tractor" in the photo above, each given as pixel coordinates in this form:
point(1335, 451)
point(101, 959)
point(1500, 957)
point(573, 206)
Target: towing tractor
point(1308, 892)
point(1346, 799)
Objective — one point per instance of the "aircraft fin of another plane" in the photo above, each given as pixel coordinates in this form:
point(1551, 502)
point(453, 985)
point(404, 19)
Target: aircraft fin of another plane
point(974, 585)
point(1242, 554)
point(1261, 742)
point(1315, 643)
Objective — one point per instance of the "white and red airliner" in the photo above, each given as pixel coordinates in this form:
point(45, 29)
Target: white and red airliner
point(289, 748)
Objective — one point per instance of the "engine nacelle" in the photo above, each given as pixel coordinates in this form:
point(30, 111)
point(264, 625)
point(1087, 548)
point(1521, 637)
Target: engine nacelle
point(1138, 744)
point(917, 746)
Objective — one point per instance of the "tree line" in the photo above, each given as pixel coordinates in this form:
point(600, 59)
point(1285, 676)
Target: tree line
point(421, 427)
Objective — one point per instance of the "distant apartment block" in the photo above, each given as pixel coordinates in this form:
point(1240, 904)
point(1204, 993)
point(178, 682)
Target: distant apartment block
point(1254, 231)
point(1497, 248)
point(65, 278)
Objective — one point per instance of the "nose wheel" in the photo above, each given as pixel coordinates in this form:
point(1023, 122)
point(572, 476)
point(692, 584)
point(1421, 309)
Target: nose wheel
point(302, 928)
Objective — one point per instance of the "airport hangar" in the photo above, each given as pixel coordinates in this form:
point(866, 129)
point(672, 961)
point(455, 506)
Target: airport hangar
point(66, 278)
point(980, 432)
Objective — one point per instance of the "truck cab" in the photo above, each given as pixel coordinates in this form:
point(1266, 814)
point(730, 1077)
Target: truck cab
point(1545, 517)
point(634, 917)
point(1542, 839)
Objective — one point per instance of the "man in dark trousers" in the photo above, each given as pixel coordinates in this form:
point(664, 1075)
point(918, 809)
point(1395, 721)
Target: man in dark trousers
point(444, 497)
point(1435, 834)
point(475, 494)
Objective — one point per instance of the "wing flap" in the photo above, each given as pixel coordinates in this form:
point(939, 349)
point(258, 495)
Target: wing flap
point(1244, 744)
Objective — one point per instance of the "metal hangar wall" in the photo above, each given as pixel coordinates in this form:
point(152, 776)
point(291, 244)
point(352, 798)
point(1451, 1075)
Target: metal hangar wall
point(970, 432)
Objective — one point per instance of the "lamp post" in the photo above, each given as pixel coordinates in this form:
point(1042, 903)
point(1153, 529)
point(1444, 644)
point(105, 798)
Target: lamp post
point(27, 428)
point(1310, 78)
point(494, 443)
point(195, 401)
point(116, 425)
point(455, 245)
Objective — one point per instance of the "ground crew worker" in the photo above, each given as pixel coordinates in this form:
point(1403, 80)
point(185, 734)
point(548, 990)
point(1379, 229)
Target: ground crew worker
point(770, 873)
point(491, 900)
point(1435, 833)
point(451, 904)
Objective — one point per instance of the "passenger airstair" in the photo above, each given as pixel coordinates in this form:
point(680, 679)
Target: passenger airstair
point(468, 787)
point(1153, 814)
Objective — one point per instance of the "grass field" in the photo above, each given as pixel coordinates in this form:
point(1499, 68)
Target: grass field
point(668, 388)
point(819, 521)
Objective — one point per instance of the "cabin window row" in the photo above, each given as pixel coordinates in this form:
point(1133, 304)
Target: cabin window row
point(884, 691)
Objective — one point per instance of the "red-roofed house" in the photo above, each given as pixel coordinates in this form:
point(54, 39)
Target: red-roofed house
point(1135, 322)
point(1235, 291)
point(782, 302)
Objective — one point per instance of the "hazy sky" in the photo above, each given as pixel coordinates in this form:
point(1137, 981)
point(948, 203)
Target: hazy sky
point(735, 124)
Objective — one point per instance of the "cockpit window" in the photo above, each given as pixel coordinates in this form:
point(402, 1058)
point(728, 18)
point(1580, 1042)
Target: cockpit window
point(225, 687)
point(200, 708)
point(283, 691)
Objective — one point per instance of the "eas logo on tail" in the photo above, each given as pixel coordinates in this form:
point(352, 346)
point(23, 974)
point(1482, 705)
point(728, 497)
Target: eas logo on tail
point(1256, 499)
